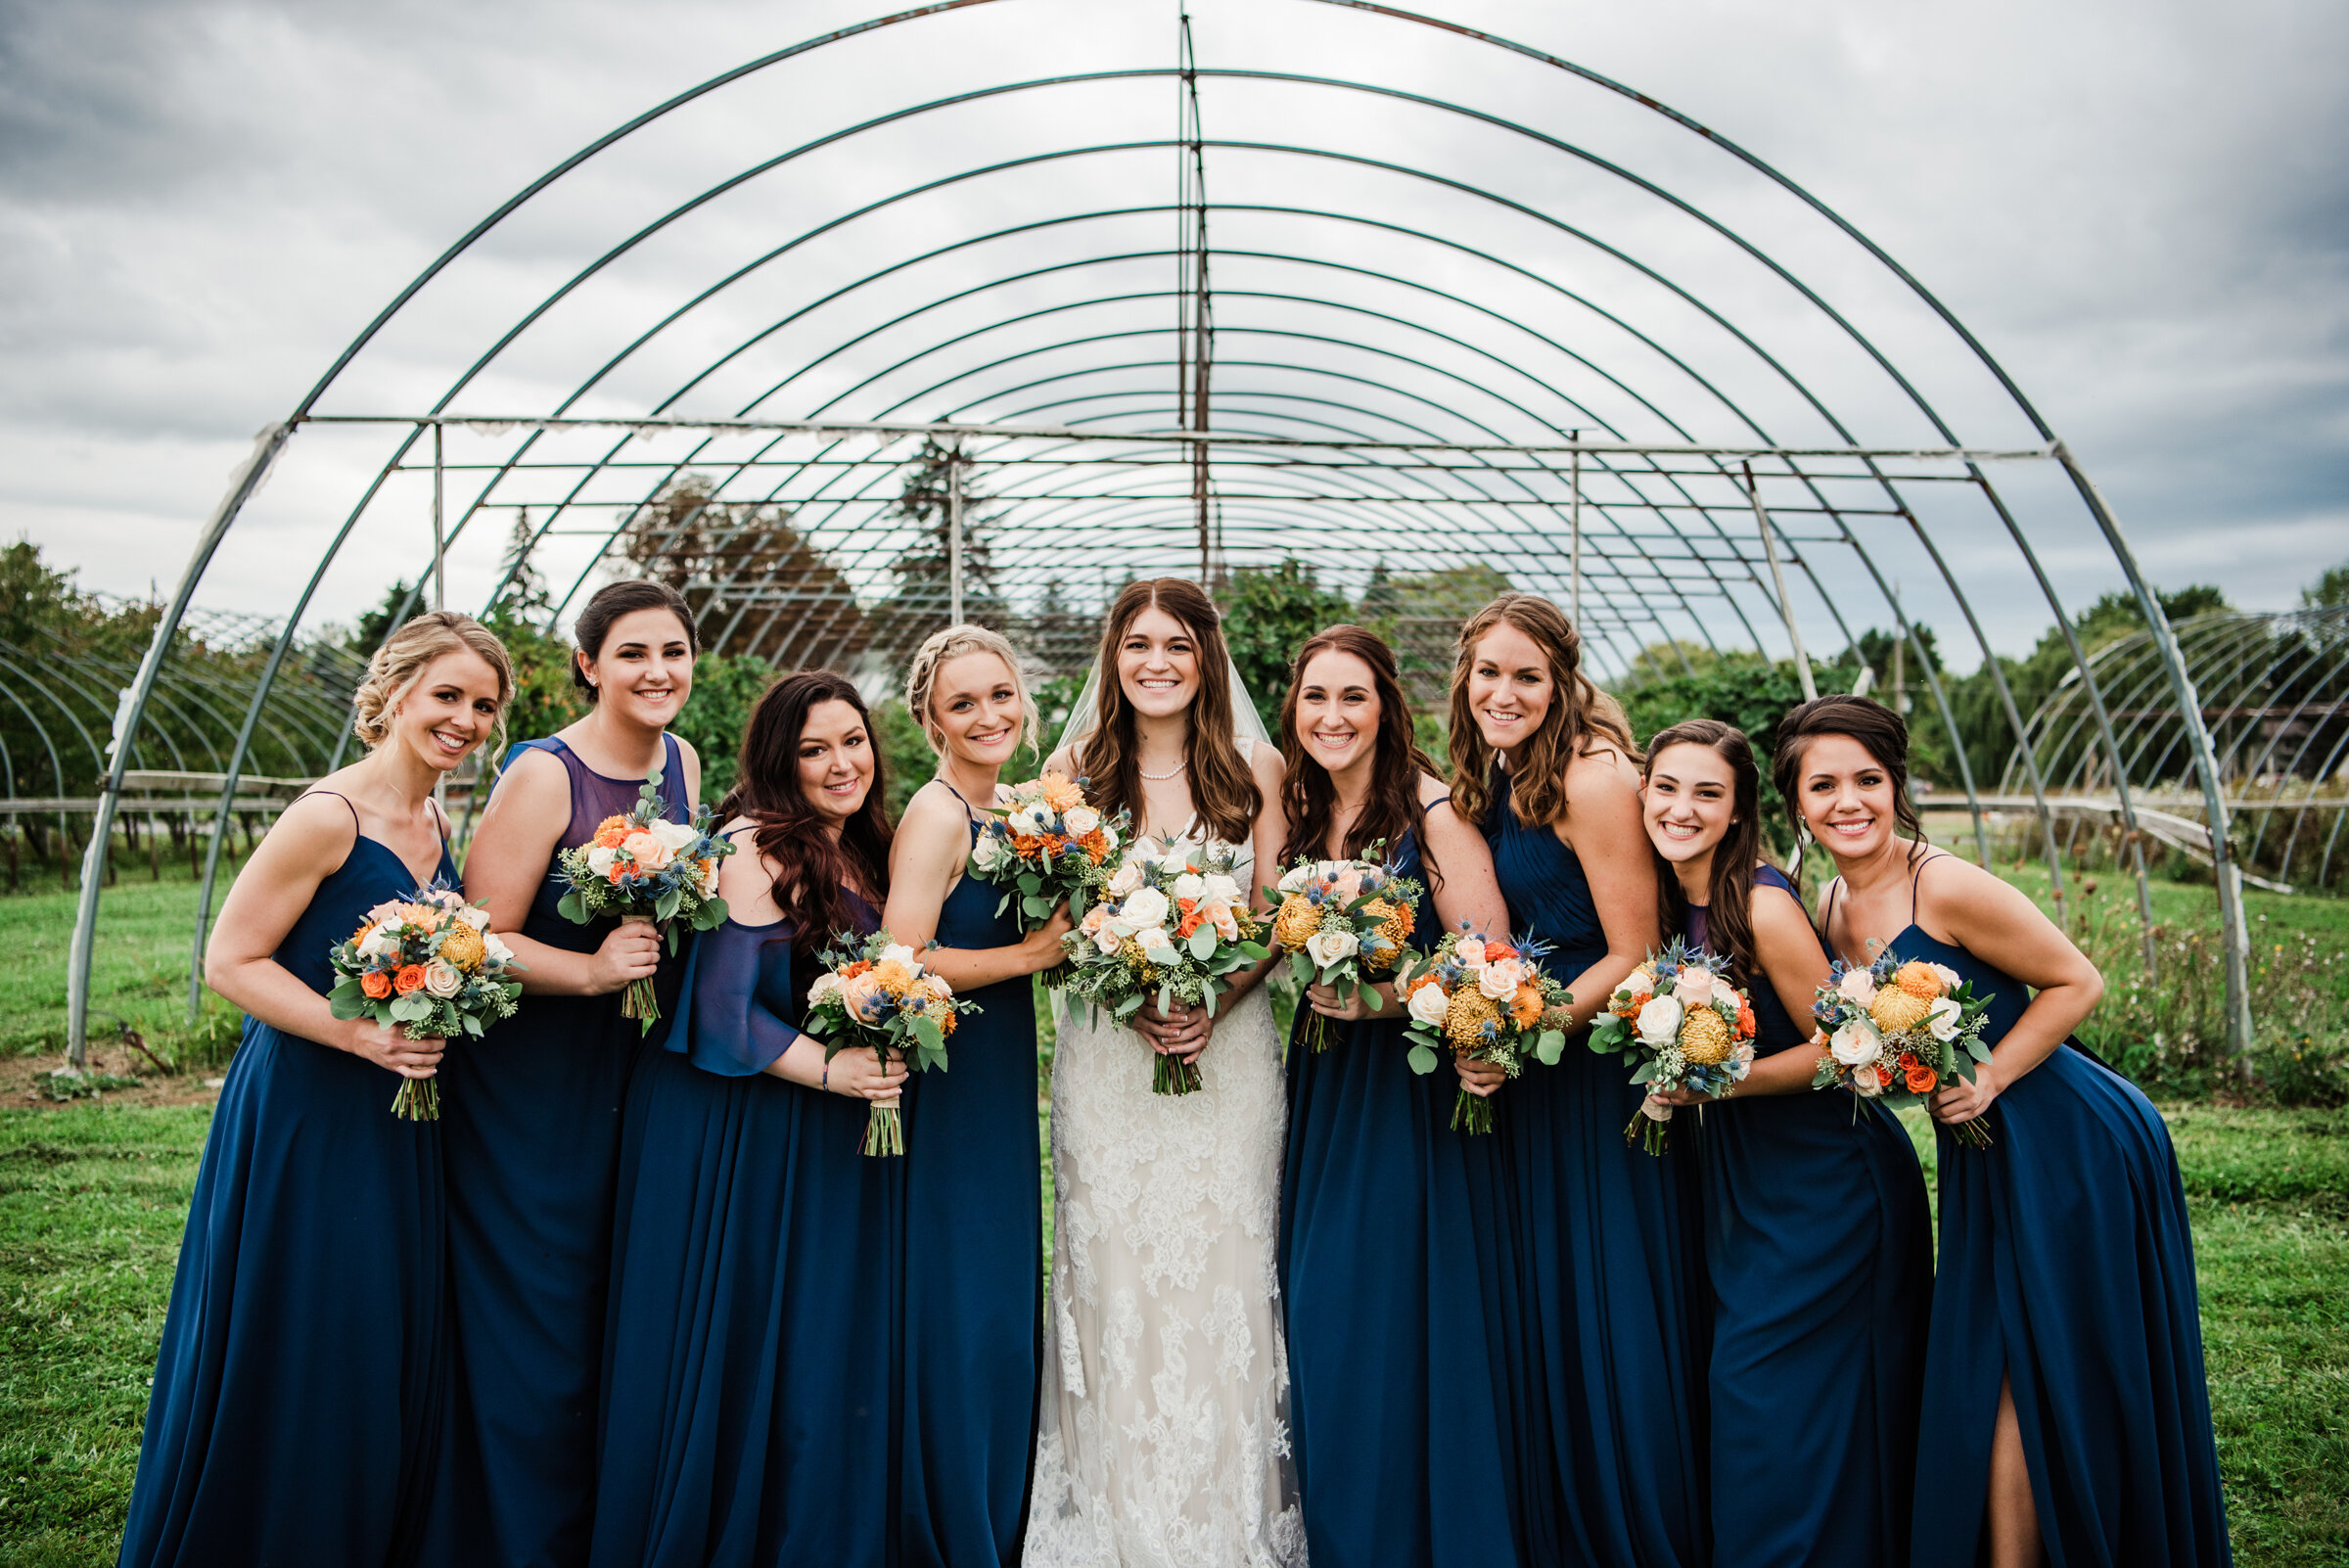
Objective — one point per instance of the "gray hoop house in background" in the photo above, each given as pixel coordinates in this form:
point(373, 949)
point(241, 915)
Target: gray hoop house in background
point(1190, 307)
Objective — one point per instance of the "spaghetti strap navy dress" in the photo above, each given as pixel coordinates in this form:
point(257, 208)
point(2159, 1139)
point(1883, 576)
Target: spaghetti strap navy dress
point(1394, 1408)
point(756, 1329)
point(297, 1394)
point(2066, 1267)
point(532, 1116)
point(1606, 1345)
point(974, 1266)
point(1817, 1239)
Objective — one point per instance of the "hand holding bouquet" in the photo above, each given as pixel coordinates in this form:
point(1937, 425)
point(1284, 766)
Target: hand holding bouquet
point(1046, 848)
point(1682, 1026)
point(1897, 1032)
point(428, 965)
point(876, 992)
point(1171, 926)
point(642, 866)
point(1340, 921)
point(1489, 1002)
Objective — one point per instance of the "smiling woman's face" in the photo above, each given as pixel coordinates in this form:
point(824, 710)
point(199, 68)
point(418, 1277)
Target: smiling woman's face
point(451, 709)
point(644, 670)
point(1509, 686)
point(836, 759)
point(1846, 798)
point(1157, 664)
point(1338, 710)
point(974, 703)
point(1688, 802)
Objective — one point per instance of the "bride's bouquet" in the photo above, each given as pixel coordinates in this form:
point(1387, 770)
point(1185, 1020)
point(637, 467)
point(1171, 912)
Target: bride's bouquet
point(1681, 1026)
point(429, 966)
point(1487, 1000)
point(1897, 1032)
point(1171, 926)
point(1342, 922)
point(643, 866)
point(874, 992)
point(1047, 846)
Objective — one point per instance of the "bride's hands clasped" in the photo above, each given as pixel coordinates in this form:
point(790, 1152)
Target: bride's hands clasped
point(1180, 1033)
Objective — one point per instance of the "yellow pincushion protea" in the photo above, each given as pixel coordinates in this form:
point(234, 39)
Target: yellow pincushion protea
point(1918, 979)
point(1299, 918)
point(1464, 1019)
point(463, 947)
point(1896, 1009)
point(1705, 1036)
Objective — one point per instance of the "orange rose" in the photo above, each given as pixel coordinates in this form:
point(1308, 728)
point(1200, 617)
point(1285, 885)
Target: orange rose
point(1494, 951)
point(1526, 1006)
point(1745, 1020)
point(410, 977)
point(618, 869)
point(1923, 1079)
point(1192, 919)
point(852, 971)
point(376, 984)
point(609, 833)
point(1423, 977)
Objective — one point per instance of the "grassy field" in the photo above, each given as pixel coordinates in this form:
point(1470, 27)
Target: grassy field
point(93, 1195)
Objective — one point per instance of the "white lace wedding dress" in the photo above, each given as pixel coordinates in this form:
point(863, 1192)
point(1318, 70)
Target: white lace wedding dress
point(1163, 1436)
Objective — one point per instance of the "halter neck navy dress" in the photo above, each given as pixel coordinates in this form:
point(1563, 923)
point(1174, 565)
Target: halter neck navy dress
point(974, 1266)
point(755, 1333)
point(1817, 1240)
point(2068, 1268)
point(531, 1115)
point(1394, 1409)
point(1602, 1279)
point(297, 1399)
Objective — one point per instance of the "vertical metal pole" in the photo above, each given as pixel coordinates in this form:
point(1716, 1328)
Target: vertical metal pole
point(1574, 481)
point(1794, 634)
point(954, 533)
point(439, 543)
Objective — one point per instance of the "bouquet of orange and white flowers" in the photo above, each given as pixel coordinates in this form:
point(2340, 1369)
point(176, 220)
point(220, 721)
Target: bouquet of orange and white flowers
point(1048, 846)
point(1682, 1026)
point(1341, 921)
point(1172, 924)
point(642, 866)
point(875, 992)
point(1897, 1032)
point(1487, 1000)
point(429, 966)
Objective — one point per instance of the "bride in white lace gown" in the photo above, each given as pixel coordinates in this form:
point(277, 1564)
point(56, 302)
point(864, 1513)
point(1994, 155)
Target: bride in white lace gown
point(1163, 1436)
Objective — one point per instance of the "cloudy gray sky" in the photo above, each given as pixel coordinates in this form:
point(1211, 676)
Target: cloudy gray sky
point(2138, 206)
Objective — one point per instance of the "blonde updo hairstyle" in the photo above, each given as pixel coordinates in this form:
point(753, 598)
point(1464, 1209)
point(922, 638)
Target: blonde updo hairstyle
point(921, 678)
point(400, 663)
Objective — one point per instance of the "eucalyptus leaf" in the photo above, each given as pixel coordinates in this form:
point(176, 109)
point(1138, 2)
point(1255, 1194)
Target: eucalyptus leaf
point(1551, 1047)
point(1422, 1060)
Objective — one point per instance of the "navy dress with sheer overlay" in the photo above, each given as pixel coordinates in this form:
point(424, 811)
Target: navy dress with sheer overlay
point(298, 1404)
point(973, 1265)
point(1602, 1277)
point(1393, 1398)
point(756, 1325)
point(1817, 1241)
point(532, 1115)
point(2066, 1267)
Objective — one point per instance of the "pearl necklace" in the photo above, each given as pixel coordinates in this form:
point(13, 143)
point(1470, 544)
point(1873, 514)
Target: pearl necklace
point(1161, 778)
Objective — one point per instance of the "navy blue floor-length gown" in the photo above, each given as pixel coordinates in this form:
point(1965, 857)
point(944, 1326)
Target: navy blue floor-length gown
point(1394, 1404)
point(532, 1115)
point(1818, 1243)
point(297, 1399)
point(2067, 1268)
point(974, 1266)
point(1605, 1346)
point(752, 1347)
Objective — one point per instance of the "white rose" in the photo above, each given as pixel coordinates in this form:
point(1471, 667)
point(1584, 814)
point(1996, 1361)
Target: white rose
point(1222, 889)
point(1428, 1005)
point(371, 945)
point(1156, 944)
point(678, 836)
point(1858, 986)
point(1296, 879)
point(1855, 1043)
point(1126, 879)
point(1146, 907)
point(1094, 918)
point(1725, 995)
point(899, 953)
point(495, 947)
point(1470, 952)
point(1227, 923)
point(648, 851)
point(1692, 987)
point(988, 852)
point(1079, 820)
point(826, 985)
point(1190, 885)
point(478, 919)
point(442, 977)
point(1660, 1022)
point(1107, 939)
point(1501, 981)
point(1326, 948)
point(600, 859)
point(1867, 1085)
point(1943, 1019)
point(1950, 978)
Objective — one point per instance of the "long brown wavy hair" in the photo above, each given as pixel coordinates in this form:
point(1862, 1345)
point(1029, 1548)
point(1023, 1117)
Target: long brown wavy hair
point(1222, 788)
point(1582, 721)
point(1307, 793)
point(1875, 727)
point(813, 866)
point(1729, 901)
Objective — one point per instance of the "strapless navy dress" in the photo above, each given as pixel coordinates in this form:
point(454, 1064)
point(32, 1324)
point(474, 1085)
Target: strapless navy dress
point(1817, 1238)
point(297, 1406)
point(2066, 1267)
point(974, 1267)
point(532, 1116)
point(1606, 1333)
point(757, 1327)
point(1394, 1403)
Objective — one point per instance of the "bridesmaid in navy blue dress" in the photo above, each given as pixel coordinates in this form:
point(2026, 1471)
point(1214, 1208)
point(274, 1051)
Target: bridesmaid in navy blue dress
point(533, 1111)
point(751, 1374)
point(1394, 1393)
point(974, 1189)
point(2066, 1418)
point(1601, 1275)
point(298, 1389)
point(1816, 1220)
